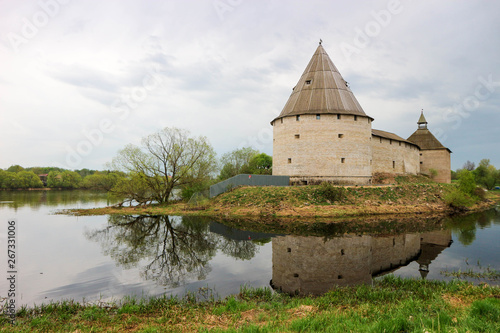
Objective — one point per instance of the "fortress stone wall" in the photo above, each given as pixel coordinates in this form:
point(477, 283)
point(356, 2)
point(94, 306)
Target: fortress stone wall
point(394, 156)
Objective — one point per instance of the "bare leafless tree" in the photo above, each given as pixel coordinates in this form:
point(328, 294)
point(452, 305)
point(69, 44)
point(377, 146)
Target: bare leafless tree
point(167, 159)
point(469, 165)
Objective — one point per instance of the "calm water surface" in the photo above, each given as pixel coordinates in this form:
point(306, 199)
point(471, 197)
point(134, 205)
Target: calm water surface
point(107, 257)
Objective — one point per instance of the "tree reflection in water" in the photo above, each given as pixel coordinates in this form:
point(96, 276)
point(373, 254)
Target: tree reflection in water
point(464, 227)
point(244, 250)
point(174, 250)
point(170, 250)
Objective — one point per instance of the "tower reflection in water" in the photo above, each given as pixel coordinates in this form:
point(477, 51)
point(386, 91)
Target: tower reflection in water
point(314, 265)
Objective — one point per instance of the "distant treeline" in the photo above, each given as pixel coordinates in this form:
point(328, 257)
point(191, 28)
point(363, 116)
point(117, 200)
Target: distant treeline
point(485, 174)
point(16, 177)
point(146, 183)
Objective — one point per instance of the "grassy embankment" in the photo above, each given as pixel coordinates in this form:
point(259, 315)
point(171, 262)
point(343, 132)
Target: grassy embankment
point(391, 305)
point(410, 195)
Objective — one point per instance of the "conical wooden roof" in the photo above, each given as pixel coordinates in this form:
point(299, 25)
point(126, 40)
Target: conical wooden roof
point(422, 120)
point(423, 138)
point(321, 89)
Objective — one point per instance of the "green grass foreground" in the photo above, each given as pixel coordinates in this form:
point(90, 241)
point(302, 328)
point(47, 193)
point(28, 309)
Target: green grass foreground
point(390, 305)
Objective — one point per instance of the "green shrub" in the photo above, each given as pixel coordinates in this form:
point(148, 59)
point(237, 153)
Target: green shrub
point(458, 199)
point(466, 182)
point(331, 193)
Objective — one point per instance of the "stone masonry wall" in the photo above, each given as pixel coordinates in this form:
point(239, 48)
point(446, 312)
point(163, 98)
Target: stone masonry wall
point(343, 151)
point(392, 156)
point(325, 147)
point(438, 159)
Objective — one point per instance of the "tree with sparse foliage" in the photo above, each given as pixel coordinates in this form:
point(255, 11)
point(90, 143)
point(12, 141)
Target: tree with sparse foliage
point(167, 159)
point(236, 162)
point(133, 188)
point(187, 191)
point(469, 165)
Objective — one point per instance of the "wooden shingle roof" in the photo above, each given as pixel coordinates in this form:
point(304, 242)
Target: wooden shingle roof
point(390, 136)
point(426, 140)
point(422, 120)
point(321, 89)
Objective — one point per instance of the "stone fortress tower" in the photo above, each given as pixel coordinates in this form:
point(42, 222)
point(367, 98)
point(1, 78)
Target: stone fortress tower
point(323, 134)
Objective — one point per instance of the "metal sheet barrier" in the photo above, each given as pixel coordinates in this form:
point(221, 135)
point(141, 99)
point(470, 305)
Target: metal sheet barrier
point(248, 180)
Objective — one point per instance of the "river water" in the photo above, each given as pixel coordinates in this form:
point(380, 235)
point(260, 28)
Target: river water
point(104, 258)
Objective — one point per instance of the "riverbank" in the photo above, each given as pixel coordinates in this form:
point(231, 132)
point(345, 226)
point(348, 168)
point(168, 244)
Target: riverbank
point(390, 305)
point(313, 202)
point(35, 189)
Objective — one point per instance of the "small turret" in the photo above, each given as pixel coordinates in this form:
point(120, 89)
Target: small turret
point(422, 123)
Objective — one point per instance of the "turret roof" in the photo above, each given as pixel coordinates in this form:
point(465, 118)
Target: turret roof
point(321, 89)
point(426, 140)
point(422, 120)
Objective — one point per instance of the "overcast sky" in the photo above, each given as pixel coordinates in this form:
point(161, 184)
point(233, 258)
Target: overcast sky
point(81, 79)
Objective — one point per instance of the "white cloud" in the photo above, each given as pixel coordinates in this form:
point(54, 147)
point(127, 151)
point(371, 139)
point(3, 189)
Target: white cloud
point(227, 74)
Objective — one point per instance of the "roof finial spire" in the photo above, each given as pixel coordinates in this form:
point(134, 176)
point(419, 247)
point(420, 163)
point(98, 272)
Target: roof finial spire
point(320, 41)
